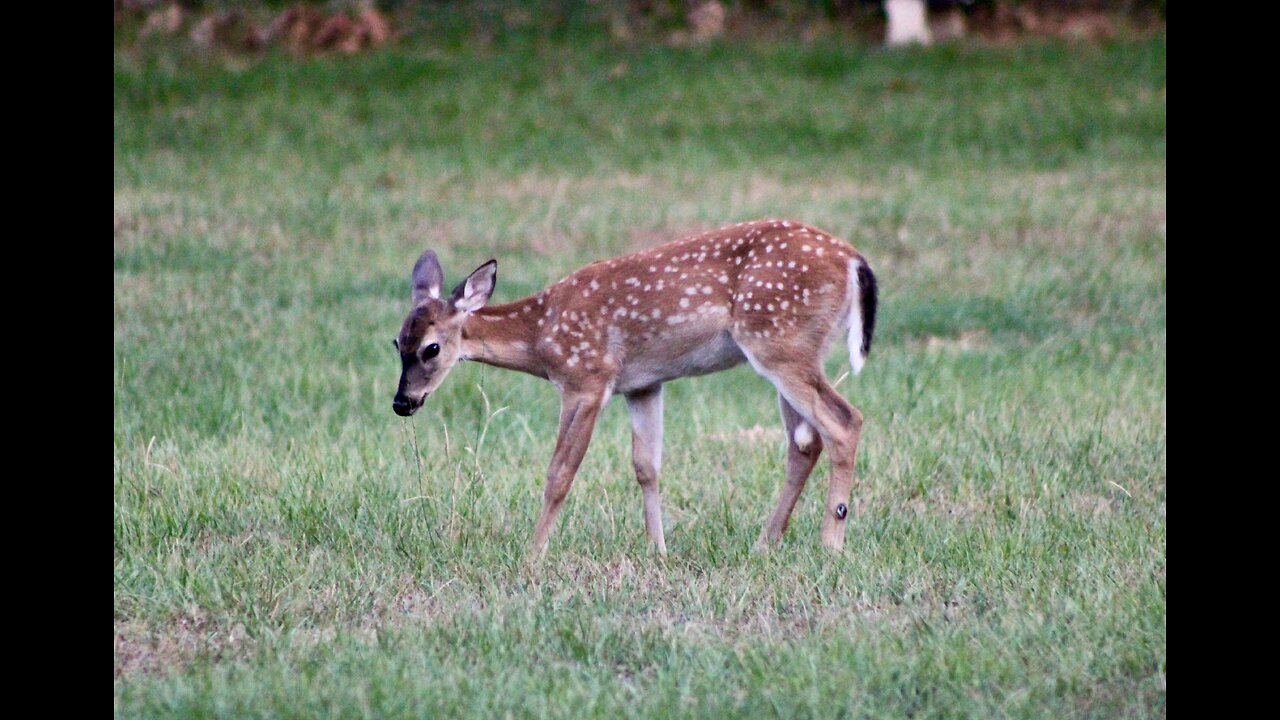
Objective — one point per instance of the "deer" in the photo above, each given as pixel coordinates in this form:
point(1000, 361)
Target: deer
point(772, 293)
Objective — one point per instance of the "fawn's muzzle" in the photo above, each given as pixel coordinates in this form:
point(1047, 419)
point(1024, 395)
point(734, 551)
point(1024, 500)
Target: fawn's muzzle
point(404, 407)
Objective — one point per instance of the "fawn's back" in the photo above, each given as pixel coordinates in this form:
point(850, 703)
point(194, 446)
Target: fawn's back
point(692, 306)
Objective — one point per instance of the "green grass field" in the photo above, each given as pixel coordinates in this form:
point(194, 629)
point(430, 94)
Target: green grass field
point(281, 549)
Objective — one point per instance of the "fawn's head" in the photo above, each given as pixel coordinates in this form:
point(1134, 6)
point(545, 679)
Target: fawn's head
point(430, 340)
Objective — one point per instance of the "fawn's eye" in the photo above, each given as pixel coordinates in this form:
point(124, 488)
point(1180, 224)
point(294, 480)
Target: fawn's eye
point(430, 351)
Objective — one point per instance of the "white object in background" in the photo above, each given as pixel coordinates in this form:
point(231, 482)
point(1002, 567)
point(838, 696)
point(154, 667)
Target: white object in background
point(907, 22)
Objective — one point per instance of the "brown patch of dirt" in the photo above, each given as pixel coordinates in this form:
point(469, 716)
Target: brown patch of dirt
point(1091, 504)
point(142, 648)
point(159, 648)
point(966, 341)
point(940, 503)
point(751, 436)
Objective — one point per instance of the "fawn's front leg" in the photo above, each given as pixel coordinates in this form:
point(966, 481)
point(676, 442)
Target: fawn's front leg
point(578, 412)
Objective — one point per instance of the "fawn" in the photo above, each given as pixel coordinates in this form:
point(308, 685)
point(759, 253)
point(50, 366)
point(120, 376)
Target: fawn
point(774, 293)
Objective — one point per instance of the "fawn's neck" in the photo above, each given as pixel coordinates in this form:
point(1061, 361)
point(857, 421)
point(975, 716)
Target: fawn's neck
point(504, 335)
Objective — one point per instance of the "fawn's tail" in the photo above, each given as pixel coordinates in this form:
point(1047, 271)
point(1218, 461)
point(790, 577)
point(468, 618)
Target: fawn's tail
point(862, 313)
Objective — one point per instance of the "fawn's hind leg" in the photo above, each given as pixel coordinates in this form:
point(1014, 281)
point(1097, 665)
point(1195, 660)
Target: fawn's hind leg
point(804, 386)
point(803, 448)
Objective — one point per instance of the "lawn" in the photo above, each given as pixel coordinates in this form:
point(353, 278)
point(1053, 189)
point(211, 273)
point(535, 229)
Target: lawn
point(285, 546)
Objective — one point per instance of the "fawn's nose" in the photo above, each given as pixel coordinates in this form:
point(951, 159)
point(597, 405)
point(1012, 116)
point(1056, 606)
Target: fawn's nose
point(402, 406)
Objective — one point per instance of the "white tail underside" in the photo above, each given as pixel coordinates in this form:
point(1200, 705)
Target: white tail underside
point(856, 358)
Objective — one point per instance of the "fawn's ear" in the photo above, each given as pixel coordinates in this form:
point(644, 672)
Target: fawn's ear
point(427, 278)
point(474, 292)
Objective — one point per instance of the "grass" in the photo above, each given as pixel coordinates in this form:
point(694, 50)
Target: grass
point(285, 546)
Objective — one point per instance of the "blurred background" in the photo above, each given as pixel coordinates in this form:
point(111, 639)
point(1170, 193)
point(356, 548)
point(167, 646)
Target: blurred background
point(349, 26)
